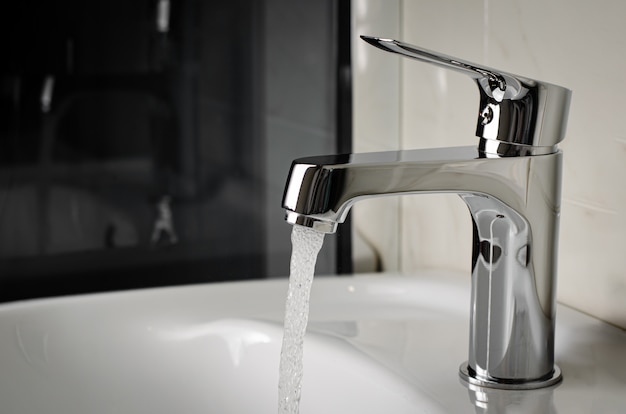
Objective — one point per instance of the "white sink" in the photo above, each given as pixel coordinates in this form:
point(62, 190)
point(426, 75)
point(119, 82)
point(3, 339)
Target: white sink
point(379, 343)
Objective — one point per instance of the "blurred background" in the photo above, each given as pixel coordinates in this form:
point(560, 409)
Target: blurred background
point(147, 142)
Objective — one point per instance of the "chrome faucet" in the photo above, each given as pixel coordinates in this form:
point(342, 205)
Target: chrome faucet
point(511, 183)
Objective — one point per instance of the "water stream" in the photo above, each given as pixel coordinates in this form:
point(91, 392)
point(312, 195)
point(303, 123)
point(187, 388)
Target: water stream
point(306, 244)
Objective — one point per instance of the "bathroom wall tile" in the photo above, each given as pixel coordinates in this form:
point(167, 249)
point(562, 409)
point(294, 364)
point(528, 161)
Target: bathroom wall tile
point(438, 110)
point(436, 233)
point(575, 44)
point(376, 104)
point(376, 119)
point(439, 106)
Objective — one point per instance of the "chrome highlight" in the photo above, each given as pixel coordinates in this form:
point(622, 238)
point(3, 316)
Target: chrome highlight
point(512, 187)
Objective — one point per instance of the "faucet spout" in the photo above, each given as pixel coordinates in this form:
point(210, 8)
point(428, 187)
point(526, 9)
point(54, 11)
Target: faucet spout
point(320, 190)
point(514, 203)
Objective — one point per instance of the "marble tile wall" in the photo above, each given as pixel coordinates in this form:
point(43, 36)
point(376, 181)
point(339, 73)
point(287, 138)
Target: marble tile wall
point(376, 121)
point(577, 44)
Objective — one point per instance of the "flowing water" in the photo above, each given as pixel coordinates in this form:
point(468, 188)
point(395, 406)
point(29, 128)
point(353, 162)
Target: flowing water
point(306, 244)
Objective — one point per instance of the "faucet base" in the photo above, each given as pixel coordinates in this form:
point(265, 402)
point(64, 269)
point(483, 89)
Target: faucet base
point(469, 376)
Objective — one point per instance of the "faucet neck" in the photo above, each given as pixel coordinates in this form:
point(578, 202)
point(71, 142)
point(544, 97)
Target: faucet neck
point(512, 310)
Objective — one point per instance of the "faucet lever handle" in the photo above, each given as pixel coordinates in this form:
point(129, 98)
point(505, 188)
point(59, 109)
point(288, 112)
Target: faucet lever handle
point(523, 116)
point(493, 82)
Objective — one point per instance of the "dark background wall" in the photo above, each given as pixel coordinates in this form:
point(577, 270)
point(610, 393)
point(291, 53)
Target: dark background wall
point(142, 148)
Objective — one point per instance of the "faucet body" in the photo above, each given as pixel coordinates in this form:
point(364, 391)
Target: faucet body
point(514, 203)
point(511, 183)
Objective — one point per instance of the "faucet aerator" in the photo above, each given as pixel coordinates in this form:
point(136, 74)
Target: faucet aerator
point(321, 226)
